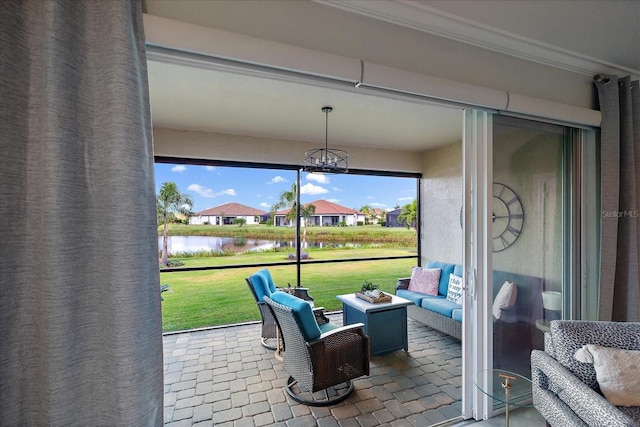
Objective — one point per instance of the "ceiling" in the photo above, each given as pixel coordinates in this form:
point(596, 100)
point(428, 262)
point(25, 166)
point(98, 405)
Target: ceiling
point(206, 99)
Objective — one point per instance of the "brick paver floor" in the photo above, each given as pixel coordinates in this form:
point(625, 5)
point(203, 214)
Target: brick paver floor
point(224, 377)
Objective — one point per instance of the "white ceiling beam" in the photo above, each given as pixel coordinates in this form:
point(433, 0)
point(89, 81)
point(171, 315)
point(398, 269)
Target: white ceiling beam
point(422, 17)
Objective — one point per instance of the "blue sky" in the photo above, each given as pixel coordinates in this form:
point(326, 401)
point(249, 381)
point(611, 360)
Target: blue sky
point(211, 186)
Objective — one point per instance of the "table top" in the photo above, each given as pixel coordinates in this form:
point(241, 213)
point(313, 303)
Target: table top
point(490, 382)
point(367, 307)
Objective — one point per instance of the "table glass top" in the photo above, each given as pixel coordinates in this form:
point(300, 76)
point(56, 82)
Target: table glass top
point(492, 383)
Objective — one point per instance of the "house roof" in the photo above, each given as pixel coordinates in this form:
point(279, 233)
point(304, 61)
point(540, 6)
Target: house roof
point(324, 207)
point(232, 209)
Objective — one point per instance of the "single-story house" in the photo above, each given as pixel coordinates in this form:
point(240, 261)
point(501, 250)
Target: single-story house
point(226, 214)
point(392, 219)
point(326, 214)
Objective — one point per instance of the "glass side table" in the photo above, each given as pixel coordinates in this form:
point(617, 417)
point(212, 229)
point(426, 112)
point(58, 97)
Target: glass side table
point(506, 387)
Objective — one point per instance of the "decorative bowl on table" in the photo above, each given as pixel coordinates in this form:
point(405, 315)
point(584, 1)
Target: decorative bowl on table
point(370, 292)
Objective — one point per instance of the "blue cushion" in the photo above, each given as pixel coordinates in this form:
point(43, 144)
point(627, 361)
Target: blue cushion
point(267, 276)
point(445, 270)
point(457, 270)
point(440, 305)
point(326, 327)
point(414, 296)
point(260, 286)
point(456, 314)
point(302, 313)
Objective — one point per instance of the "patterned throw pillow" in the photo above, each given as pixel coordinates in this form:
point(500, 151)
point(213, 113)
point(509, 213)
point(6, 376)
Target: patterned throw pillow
point(425, 280)
point(454, 291)
point(616, 371)
point(506, 297)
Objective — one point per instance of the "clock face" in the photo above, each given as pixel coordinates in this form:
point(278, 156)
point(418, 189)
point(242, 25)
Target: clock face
point(508, 217)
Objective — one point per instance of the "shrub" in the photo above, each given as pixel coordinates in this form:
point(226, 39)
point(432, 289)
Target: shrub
point(303, 255)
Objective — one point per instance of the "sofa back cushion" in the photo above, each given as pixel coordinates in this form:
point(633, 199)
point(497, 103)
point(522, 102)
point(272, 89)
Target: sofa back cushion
point(570, 335)
point(445, 270)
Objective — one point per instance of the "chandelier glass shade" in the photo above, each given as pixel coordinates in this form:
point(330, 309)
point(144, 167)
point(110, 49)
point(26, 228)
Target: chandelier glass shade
point(324, 159)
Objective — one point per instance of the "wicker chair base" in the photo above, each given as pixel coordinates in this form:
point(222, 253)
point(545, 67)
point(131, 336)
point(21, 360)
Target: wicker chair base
point(327, 397)
point(268, 343)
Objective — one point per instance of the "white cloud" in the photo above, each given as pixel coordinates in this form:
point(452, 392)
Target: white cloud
point(318, 177)
point(405, 199)
point(228, 192)
point(333, 200)
point(336, 189)
point(210, 168)
point(277, 179)
point(265, 205)
point(378, 205)
point(209, 193)
point(179, 168)
point(201, 191)
point(312, 189)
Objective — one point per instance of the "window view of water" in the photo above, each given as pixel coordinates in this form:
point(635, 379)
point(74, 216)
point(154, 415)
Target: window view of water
point(192, 244)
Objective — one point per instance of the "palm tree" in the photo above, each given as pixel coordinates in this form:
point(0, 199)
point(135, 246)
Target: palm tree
point(369, 213)
point(169, 203)
point(409, 214)
point(289, 199)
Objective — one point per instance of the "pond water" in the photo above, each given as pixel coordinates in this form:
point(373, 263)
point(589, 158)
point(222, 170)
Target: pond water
point(180, 244)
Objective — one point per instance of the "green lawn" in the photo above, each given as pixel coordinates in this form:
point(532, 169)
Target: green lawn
point(218, 297)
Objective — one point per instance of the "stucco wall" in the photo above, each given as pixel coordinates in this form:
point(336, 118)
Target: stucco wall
point(441, 197)
point(216, 146)
point(529, 161)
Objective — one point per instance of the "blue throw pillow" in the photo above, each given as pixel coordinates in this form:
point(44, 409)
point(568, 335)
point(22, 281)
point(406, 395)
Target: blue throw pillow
point(301, 311)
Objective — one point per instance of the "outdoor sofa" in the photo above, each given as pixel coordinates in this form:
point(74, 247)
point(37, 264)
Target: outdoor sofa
point(516, 308)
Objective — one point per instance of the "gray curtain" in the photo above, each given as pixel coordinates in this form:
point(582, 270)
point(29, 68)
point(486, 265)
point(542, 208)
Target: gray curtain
point(80, 320)
point(620, 203)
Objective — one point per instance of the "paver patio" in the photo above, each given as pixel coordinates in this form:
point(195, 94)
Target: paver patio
point(224, 377)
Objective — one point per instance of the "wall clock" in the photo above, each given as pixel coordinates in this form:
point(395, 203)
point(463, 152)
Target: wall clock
point(507, 217)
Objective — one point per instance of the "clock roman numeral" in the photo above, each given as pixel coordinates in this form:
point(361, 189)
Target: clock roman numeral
point(510, 202)
point(513, 231)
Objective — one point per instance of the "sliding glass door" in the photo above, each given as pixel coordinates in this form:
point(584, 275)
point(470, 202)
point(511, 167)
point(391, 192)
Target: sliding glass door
point(531, 236)
point(529, 232)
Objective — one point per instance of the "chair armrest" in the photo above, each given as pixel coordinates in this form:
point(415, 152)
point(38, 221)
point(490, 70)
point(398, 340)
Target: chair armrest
point(342, 329)
point(591, 407)
point(403, 283)
point(318, 313)
point(349, 338)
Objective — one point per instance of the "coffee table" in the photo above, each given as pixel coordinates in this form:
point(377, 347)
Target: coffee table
point(385, 323)
point(505, 386)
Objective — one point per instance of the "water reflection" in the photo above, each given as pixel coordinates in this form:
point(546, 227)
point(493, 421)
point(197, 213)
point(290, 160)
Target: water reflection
point(194, 244)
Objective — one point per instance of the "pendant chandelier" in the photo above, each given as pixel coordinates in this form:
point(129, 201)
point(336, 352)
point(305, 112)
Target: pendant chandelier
point(324, 159)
